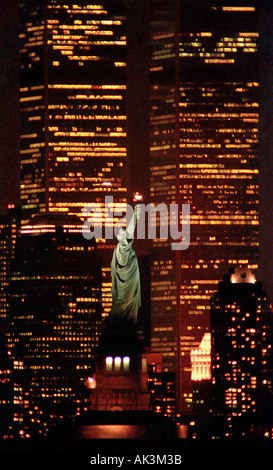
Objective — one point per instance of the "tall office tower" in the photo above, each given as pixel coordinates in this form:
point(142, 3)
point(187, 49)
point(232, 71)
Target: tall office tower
point(204, 138)
point(241, 331)
point(73, 116)
point(55, 320)
point(9, 230)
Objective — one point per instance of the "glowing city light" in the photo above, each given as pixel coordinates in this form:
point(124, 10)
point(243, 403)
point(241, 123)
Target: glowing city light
point(109, 363)
point(117, 362)
point(126, 363)
point(201, 360)
point(91, 383)
point(138, 197)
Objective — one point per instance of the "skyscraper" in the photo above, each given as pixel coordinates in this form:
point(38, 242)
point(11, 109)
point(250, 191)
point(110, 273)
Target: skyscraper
point(9, 230)
point(204, 138)
point(73, 114)
point(55, 321)
point(241, 331)
point(72, 104)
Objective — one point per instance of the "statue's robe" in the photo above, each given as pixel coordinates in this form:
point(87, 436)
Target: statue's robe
point(125, 281)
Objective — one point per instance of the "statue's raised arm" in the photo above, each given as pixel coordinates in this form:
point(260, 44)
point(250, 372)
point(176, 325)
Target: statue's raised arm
point(125, 273)
point(128, 232)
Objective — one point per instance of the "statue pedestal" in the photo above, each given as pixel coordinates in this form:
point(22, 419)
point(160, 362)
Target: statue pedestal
point(121, 377)
point(119, 403)
point(120, 389)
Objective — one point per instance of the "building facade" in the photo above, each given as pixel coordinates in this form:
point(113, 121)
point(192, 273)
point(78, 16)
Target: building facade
point(9, 231)
point(73, 111)
point(241, 333)
point(55, 321)
point(204, 137)
point(72, 104)
point(162, 390)
point(201, 386)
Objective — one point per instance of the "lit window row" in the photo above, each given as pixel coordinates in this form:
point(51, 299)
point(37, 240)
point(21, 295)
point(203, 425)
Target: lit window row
point(117, 363)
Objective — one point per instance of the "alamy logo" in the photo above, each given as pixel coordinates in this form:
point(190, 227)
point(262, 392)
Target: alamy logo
point(161, 221)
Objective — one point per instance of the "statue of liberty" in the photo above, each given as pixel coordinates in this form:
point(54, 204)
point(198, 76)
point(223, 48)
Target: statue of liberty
point(125, 274)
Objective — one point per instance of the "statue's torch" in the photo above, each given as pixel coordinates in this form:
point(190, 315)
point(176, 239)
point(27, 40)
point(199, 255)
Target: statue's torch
point(137, 197)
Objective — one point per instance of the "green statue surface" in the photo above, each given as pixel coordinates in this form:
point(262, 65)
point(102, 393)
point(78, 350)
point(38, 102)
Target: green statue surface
point(126, 292)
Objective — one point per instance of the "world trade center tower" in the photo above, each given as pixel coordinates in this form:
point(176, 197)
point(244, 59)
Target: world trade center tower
point(73, 114)
point(204, 152)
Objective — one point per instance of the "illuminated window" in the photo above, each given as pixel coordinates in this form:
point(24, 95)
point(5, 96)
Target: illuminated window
point(117, 362)
point(91, 382)
point(126, 363)
point(109, 363)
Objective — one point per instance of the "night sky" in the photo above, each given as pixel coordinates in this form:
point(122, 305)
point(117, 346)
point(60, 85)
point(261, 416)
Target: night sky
point(137, 137)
